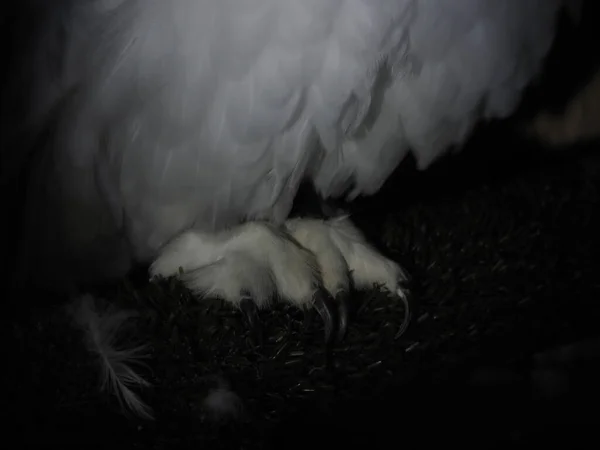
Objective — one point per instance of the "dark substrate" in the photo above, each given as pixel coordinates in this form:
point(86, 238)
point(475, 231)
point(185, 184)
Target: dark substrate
point(502, 269)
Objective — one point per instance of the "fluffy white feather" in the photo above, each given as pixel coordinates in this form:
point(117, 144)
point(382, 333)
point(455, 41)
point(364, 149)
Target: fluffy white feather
point(102, 330)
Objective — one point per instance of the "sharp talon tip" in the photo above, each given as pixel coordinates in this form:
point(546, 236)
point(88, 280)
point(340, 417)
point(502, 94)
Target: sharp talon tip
point(342, 301)
point(250, 311)
point(408, 311)
point(326, 309)
point(309, 318)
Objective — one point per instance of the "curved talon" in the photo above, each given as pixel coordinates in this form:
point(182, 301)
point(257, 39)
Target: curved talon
point(250, 310)
point(342, 300)
point(309, 318)
point(326, 309)
point(406, 298)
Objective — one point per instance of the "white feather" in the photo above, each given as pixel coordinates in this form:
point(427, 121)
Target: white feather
point(102, 330)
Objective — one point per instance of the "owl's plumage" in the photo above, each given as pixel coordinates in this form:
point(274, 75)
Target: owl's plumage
point(160, 116)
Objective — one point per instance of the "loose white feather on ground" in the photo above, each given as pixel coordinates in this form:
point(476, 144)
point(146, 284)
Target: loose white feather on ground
point(103, 329)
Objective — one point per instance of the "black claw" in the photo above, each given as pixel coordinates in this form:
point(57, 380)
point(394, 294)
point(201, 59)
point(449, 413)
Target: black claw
point(342, 300)
point(309, 318)
point(324, 305)
point(404, 295)
point(250, 310)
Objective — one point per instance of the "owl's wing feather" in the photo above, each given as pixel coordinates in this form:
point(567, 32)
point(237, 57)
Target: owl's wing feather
point(170, 115)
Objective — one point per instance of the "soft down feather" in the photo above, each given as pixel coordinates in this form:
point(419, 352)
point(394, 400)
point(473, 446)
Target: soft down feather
point(159, 116)
point(102, 330)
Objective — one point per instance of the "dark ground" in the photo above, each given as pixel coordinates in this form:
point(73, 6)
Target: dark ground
point(502, 243)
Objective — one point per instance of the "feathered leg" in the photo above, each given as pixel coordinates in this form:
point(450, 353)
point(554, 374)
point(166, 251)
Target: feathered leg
point(310, 263)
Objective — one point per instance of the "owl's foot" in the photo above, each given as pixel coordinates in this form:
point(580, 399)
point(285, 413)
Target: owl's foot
point(307, 262)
